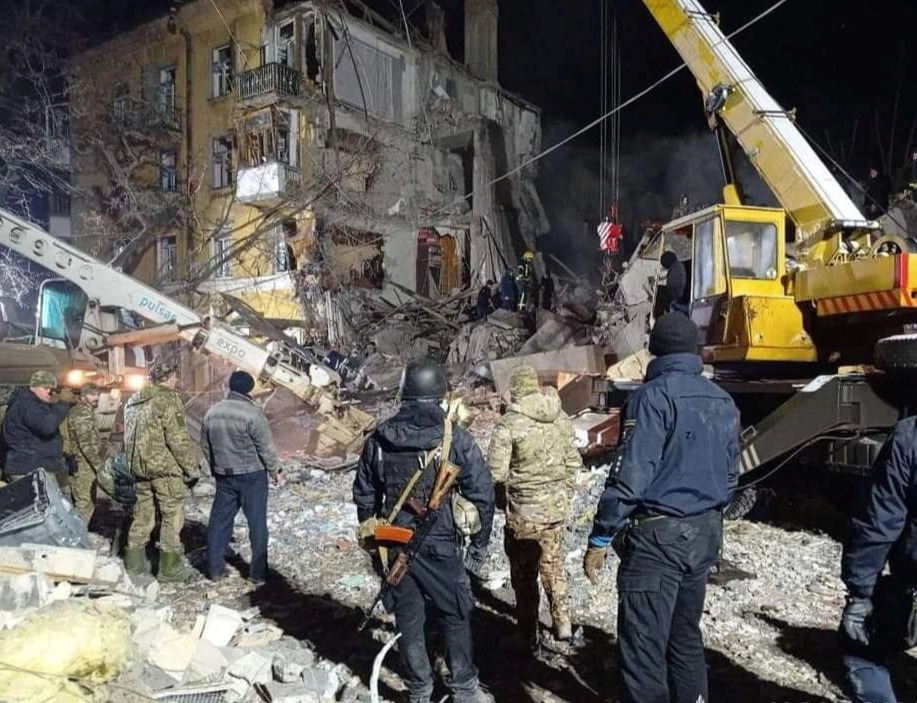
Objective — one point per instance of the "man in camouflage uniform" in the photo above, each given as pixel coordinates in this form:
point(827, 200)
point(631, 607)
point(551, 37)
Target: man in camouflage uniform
point(163, 459)
point(86, 447)
point(534, 461)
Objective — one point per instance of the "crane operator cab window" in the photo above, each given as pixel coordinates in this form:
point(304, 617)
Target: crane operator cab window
point(62, 306)
point(752, 249)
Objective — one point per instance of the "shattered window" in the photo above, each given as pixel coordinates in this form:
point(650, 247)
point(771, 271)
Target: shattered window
point(221, 252)
point(168, 177)
point(708, 265)
point(752, 248)
point(368, 77)
point(166, 258)
point(221, 71)
point(165, 93)
point(222, 162)
point(285, 50)
point(120, 101)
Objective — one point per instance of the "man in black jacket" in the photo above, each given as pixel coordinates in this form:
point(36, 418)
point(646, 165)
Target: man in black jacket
point(875, 622)
point(31, 430)
point(436, 582)
point(675, 470)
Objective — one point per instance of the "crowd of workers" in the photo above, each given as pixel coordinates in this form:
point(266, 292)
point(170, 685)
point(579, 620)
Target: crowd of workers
point(661, 511)
point(520, 291)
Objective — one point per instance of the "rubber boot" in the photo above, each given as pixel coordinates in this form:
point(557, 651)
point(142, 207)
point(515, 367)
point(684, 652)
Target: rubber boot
point(172, 568)
point(135, 560)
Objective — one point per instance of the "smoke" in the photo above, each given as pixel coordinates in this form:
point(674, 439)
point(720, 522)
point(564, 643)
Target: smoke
point(656, 172)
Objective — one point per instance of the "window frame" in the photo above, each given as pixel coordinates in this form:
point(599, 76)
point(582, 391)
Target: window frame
point(166, 274)
point(774, 236)
point(165, 169)
point(220, 243)
point(222, 71)
point(221, 159)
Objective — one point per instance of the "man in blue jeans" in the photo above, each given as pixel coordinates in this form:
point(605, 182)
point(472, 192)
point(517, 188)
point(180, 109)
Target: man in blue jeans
point(878, 620)
point(674, 471)
point(237, 443)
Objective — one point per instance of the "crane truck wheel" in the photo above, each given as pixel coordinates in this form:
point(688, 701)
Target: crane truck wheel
point(897, 353)
point(743, 500)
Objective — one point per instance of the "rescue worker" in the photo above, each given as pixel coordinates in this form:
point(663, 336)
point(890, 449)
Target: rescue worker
point(673, 474)
point(509, 294)
point(236, 442)
point(31, 429)
point(878, 617)
point(87, 449)
point(526, 283)
point(547, 291)
point(163, 458)
point(676, 281)
point(534, 461)
point(436, 583)
point(484, 304)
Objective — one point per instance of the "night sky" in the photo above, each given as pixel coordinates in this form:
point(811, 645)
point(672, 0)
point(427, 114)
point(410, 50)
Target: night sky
point(837, 61)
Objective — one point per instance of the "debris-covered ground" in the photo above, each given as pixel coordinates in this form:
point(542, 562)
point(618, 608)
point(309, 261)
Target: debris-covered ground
point(770, 638)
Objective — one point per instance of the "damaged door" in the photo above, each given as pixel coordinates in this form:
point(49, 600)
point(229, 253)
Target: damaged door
point(709, 283)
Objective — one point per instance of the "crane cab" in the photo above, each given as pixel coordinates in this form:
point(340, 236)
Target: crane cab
point(739, 290)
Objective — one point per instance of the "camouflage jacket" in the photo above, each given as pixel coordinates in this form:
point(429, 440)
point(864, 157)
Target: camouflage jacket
point(82, 438)
point(532, 454)
point(156, 439)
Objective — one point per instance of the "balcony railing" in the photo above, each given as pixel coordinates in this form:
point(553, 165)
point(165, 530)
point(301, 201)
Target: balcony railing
point(141, 115)
point(270, 78)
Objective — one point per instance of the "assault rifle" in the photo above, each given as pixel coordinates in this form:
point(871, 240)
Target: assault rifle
point(413, 539)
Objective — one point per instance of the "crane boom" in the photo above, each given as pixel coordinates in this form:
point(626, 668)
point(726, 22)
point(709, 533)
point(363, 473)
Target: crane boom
point(106, 287)
point(801, 182)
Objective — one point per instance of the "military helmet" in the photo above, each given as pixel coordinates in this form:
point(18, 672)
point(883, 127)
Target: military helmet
point(523, 381)
point(43, 379)
point(423, 379)
point(528, 256)
point(161, 370)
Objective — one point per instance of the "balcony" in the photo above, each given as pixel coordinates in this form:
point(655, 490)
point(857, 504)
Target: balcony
point(267, 83)
point(146, 117)
point(267, 184)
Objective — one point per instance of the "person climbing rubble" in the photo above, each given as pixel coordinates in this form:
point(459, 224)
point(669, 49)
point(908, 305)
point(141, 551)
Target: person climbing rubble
point(526, 283)
point(533, 460)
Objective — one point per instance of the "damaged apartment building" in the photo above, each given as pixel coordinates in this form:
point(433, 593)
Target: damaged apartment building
point(316, 148)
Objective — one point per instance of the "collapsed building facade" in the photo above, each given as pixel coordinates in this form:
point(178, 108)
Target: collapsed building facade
point(313, 152)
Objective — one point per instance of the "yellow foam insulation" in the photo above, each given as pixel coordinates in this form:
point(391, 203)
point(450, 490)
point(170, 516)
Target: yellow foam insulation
point(75, 638)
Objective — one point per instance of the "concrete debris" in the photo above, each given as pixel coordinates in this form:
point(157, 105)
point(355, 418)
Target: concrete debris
point(59, 563)
point(221, 625)
point(291, 693)
point(587, 359)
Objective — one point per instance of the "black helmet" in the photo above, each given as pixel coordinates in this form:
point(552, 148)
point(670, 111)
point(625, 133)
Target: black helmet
point(423, 379)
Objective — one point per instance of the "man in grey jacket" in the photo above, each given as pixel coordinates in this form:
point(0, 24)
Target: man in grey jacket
point(236, 441)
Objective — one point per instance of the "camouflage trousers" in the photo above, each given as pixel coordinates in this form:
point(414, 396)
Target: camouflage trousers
point(167, 495)
point(536, 550)
point(82, 484)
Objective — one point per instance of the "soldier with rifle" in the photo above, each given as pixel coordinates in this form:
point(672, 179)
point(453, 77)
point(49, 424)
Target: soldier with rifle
point(403, 490)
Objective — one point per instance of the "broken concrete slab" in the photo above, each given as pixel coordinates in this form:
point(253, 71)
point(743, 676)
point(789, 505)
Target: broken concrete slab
point(291, 693)
point(554, 332)
point(595, 432)
point(581, 392)
point(323, 683)
point(288, 666)
point(631, 368)
point(59, 563)
point(252, 668)
point(208, 661)
point(506, 319)
point(172, 651)
point(221, 625)
point(588, 359)
point(24, 591)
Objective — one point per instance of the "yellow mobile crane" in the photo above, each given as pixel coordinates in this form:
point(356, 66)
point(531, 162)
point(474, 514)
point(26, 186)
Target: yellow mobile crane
point(796, 305)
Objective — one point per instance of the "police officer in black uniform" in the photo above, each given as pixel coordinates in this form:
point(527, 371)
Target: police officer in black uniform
point(878, 619)
point(436, 583)
point(674, 472)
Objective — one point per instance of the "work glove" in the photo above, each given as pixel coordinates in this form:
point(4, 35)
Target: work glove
point(475, 556)
point(593, 561)
point(278, 478)
point(855, 622)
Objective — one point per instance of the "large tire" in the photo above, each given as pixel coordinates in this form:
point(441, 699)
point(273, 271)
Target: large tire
point(742, 503)
point(897, 353)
